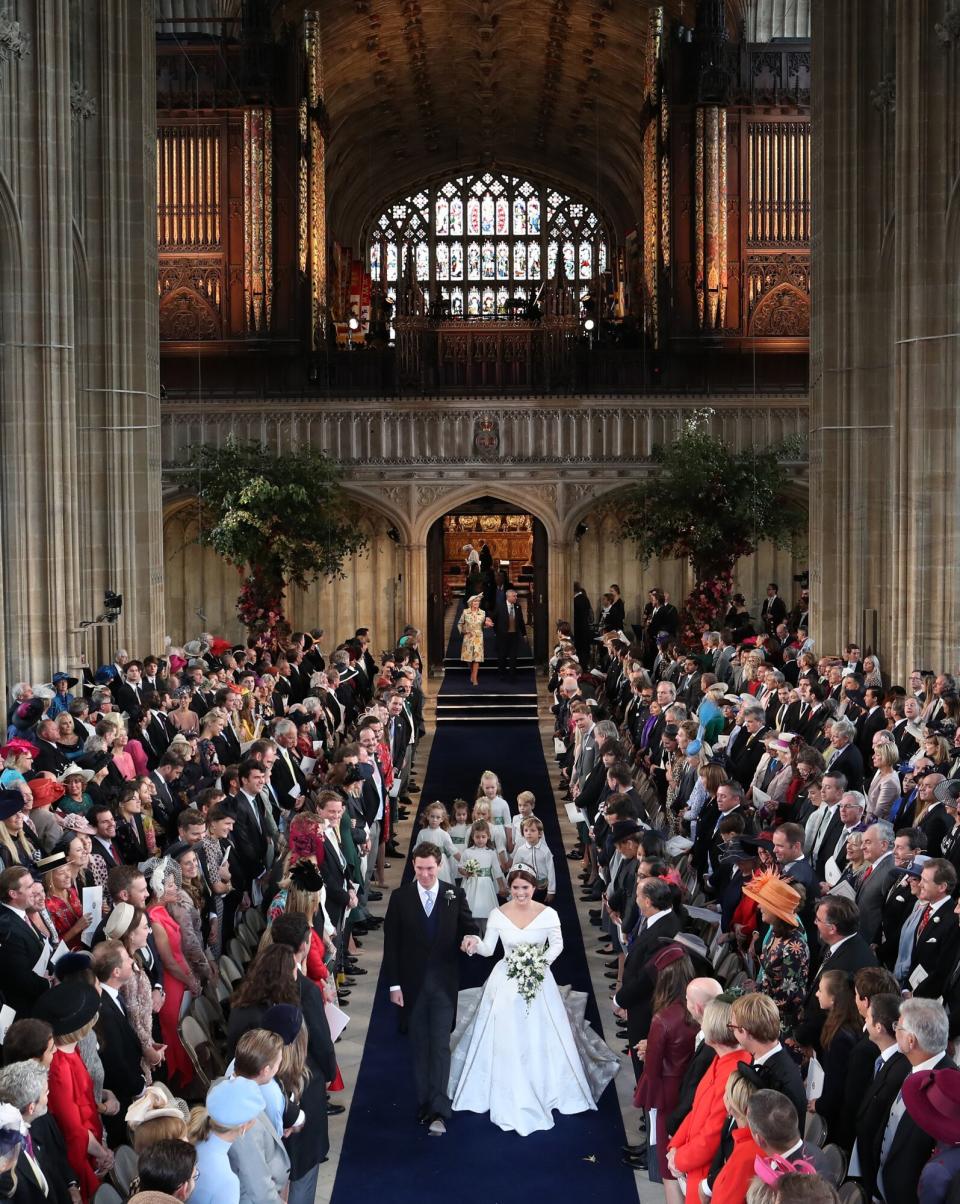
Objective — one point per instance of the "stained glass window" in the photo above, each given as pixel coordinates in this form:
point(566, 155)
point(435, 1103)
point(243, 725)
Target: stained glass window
point(443, 261)
point(501, 234)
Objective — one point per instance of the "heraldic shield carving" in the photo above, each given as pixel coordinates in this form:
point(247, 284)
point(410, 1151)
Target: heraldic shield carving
point(486, 437)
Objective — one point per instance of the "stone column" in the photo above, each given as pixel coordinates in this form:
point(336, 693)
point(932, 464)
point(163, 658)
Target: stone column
point(41, 553)
point(884, 363)
point(925, 560)
point(560, 586)
point(852, 456)
point(415, 590)
point(120, 408)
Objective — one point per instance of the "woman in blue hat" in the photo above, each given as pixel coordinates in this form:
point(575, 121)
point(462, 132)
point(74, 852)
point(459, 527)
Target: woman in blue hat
point(232, 1106)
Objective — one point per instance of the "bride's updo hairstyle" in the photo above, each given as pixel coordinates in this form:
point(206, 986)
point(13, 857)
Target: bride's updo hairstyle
point(521, 871)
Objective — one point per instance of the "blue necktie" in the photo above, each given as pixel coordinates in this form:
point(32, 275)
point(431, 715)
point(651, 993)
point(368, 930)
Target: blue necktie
point(428, 903)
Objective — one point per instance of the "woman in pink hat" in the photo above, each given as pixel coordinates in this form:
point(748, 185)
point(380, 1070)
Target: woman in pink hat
point(932, 1100)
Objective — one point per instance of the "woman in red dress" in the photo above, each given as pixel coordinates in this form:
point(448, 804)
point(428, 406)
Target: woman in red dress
point(164, 880)
point(71, 1011)
point(696, 1141)
point(666, 1051)
point(730, 1186)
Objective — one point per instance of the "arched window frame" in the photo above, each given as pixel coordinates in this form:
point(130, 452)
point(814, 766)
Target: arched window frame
point(510, 202)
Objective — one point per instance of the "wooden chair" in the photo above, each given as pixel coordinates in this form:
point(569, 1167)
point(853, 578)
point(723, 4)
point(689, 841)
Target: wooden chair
point(239, 952)
point(816, 1129)
point(206, 1058)
point(124, 1169)
point(230, 972)
point(834, 1164)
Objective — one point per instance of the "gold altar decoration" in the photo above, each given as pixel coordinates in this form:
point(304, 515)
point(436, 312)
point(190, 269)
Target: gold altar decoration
point(508, 536)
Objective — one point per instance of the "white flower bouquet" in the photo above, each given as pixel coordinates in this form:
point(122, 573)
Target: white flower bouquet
point(470, 867)
point(527, 966)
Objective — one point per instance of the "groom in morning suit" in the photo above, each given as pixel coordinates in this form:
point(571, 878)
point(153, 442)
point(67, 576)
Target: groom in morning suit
point(427, 923)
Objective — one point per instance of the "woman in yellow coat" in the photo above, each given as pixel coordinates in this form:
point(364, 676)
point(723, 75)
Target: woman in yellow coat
point(471, 625)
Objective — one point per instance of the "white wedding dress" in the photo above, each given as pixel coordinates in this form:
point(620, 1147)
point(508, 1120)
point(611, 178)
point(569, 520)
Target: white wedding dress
point(520, 1065)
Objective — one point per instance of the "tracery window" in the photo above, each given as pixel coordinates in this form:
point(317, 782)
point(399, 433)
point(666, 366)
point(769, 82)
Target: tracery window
point(485, 240)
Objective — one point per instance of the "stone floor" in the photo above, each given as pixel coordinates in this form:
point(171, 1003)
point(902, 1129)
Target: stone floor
point(350, 1046)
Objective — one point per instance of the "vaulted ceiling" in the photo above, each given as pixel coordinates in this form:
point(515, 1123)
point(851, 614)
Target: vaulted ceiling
point(417, 89)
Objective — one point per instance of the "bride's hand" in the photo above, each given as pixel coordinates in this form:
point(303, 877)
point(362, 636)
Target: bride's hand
point(469, 945)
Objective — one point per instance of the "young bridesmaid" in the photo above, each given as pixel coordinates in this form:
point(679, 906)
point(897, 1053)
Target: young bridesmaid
point(460, 828)
point(481, 810)
point(491, 790)
point(434, 831)
point(482, 876)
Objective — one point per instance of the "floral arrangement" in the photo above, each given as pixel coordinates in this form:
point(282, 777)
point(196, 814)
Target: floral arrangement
point(470, 867)
point(527, 966)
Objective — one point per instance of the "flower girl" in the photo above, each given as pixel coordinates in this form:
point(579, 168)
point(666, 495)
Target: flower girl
point(460, 828)
point(482, 877)
point(434, 831)
point(491, 790)
point(481, 810)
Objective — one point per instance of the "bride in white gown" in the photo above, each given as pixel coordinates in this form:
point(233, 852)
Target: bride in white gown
point(520, 1062)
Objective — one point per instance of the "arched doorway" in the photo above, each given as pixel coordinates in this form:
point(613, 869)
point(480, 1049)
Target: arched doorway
point(514, 536)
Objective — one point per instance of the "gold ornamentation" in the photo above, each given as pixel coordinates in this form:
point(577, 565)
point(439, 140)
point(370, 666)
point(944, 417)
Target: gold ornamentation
point(316, 184)
point(257, 218)
point(698, 198)
point(782, 313)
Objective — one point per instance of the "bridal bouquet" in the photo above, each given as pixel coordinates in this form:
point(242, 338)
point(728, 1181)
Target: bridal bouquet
point(471, 867)
point(527, 966)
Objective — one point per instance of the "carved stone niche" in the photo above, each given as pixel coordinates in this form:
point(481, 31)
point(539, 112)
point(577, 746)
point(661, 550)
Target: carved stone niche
point(782, 313)
point(185, 317)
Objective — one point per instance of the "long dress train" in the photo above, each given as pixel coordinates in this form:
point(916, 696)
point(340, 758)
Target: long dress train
point(521, 1064)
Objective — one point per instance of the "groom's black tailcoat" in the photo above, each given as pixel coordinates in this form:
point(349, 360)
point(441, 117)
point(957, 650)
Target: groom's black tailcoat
point(416, 947)
point(421, 956)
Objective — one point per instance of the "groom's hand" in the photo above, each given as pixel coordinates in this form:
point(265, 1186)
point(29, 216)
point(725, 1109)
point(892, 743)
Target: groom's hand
point(396, 996)
point(469, 945)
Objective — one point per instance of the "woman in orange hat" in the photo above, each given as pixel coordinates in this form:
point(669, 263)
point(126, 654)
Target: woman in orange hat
point(784, 956)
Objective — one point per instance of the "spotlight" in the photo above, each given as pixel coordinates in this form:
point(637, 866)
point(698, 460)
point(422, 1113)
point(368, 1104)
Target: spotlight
point(581, 530)
point(393, 534)
point(589, 325)
point(354, 323)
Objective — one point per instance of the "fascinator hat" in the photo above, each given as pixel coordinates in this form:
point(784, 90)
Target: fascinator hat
point(157, 870)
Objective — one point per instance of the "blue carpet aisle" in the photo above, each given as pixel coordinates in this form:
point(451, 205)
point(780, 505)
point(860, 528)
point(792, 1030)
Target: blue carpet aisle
point(386, 1154)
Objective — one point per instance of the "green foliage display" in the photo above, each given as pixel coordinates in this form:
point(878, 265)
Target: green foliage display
point(711, 505)
point(285, 519)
